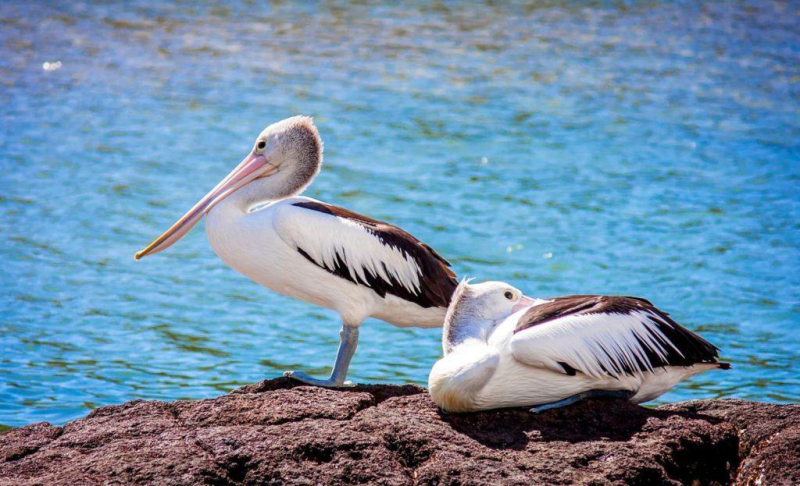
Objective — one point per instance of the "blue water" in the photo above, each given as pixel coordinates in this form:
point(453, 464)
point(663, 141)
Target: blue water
point(650, 149)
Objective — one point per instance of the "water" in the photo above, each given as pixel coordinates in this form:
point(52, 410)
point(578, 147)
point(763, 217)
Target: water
point(646, 149)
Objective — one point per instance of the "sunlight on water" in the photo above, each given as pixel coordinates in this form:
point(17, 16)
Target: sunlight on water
point(645, 149)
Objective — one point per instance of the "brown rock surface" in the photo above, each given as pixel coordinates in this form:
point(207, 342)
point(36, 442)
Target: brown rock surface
point(276, 432)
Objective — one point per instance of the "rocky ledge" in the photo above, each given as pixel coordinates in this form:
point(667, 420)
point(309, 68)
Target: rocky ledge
point(276, 432)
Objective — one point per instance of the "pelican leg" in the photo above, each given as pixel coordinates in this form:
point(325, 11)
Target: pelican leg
point(624, 394)
point(347, 348)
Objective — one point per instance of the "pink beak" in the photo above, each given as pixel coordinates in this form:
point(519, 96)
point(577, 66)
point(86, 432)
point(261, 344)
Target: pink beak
point(252, 167)
point(523, 303)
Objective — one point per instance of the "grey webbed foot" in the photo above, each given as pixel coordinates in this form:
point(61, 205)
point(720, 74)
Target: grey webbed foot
point(624, 394)
point(309, 380)
point(347, 348)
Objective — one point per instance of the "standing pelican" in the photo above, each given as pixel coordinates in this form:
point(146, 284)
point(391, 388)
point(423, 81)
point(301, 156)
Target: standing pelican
point(313, 251)
point(502, 349)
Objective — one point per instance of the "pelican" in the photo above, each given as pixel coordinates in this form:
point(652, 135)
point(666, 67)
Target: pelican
point(307, 249)
point(503, 349)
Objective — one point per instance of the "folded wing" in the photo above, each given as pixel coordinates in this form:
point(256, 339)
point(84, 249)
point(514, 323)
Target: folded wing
point(367, 252)
point(605, 336)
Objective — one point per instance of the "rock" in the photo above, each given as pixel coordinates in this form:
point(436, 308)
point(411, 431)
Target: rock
point(276, 432)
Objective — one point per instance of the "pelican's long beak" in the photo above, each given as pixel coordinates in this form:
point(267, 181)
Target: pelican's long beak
point(523, 303)
point(252, 167)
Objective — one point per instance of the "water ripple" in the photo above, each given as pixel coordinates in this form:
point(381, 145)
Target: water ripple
point(647, 149)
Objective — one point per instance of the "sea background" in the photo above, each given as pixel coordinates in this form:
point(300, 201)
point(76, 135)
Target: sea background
point(639, 148)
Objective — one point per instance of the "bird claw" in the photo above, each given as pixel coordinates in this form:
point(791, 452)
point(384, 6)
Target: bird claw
point(309, 380)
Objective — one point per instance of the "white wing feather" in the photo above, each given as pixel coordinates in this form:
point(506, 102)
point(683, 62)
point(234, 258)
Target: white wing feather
point(324, 236)
point(598, 345)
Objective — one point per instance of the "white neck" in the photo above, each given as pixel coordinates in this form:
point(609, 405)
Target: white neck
point(279, 186)
point(460, 327)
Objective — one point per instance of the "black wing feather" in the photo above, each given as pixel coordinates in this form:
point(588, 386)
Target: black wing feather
point(437, 280)
point(682, 347)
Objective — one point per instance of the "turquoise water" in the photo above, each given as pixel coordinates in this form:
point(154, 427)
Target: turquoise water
point(647, 149)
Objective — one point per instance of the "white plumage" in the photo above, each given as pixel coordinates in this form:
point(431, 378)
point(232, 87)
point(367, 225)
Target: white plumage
point(263, 245)
point(505, 350)
point(600, 345)
point(327, 238)
point(313, 251)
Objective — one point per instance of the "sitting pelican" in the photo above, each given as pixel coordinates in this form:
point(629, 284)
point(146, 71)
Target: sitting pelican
point(503, 349)
point(313, 251)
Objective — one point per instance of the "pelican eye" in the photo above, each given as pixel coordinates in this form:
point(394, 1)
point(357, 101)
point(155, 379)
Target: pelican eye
point(261, 144)
point(508, 295)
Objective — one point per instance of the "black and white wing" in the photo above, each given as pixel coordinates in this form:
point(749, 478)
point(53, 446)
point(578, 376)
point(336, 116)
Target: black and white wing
point(367, 252)
point(603, 336)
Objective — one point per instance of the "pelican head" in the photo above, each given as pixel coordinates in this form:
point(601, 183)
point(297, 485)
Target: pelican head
point(476, 308)
point(284, 160)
